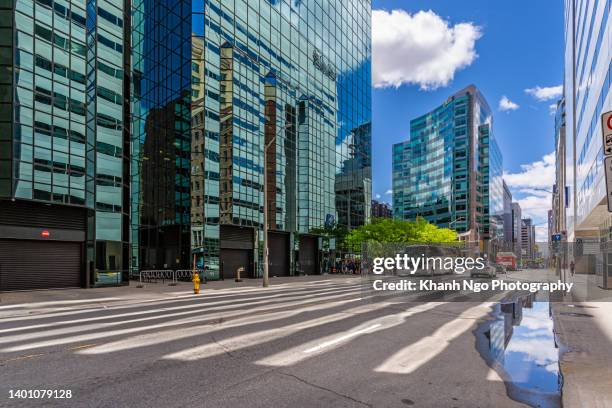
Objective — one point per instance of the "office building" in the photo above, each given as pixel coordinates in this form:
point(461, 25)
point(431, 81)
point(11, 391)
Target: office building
point(381, 210)
point(506, 220)
point(587, 83)
point(528, 243)
point(133, 136)
point(450, 170)
point(232, 98)
point(517, 231)
point(64, 143)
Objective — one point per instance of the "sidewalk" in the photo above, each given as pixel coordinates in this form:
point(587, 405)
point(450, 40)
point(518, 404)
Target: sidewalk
point(583, 330)
point(14, 303)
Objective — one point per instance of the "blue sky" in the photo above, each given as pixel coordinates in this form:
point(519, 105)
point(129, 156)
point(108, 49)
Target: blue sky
point(502, 47)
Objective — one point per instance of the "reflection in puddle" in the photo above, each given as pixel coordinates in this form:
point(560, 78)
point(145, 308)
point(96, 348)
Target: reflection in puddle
point(521, 347)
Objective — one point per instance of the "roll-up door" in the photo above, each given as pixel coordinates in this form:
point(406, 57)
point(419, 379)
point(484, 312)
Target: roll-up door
point(236, 251)
point(31, 264)
point(279, 254)
point(308, 255)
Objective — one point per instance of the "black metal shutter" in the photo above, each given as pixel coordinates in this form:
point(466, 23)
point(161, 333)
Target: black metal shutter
point(279, 254)
point(308, 255)
point(26, 265)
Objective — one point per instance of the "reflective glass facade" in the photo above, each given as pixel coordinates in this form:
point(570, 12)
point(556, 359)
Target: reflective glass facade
point(221, 85)
point(450, 171)
point(65, 97)
point(588, 80)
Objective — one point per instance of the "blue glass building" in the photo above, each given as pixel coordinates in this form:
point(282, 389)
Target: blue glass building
point(450, 170)
point(64, 143)
point(220, 84)
point(133, 136)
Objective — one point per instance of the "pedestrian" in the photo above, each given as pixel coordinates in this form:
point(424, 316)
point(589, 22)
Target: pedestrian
point(572, 267)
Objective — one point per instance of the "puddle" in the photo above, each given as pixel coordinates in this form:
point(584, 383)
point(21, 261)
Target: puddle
point(519, 344)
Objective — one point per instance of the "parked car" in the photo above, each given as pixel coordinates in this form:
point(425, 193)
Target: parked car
point(488, 271)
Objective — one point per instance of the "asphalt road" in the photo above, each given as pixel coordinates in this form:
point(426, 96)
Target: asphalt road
point(298, 344)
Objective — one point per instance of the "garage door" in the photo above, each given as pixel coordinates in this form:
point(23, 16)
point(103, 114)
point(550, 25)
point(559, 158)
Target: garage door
point(232, 259)
point(308, 255)
point(28, 265)
point(279, 254)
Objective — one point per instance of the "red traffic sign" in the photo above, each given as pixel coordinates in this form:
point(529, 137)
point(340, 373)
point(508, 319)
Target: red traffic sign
point(45, 234)
point(606, 131)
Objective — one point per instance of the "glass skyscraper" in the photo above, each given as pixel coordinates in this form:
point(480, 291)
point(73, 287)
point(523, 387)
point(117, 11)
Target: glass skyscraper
point(220, 84)
point(450, 170)
point(133, 135)
point(587, 84)
point(64, 142)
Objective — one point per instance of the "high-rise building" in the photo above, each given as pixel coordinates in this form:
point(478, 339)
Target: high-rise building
point(517, 231)
point(232, 98)
point(528, 243)
point(506, 221)
point(450, 170)
point(135, 135)
point(588, 79)
point(64, 143)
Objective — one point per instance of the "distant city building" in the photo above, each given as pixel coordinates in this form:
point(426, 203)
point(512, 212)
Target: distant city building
point(517, 231)
point(507, 220)
point(528, 244)
point(450, 170)
point(381, 210)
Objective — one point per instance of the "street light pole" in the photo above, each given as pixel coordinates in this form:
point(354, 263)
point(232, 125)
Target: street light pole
point(266, 281)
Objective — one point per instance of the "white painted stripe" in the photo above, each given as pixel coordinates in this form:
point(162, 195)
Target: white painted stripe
point(97, 336)
point(151, 339)
point(160, 302)
point(415, 355)
point(263, 336)
point(342, 338)
point(298, 353)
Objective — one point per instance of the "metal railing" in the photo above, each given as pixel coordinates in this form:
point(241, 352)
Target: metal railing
point(163, 275)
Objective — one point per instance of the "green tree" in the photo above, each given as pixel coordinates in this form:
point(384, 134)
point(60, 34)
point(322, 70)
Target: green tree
point(387, 230)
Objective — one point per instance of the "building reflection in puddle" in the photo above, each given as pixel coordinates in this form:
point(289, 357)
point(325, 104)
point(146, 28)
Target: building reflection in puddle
point(522, 349)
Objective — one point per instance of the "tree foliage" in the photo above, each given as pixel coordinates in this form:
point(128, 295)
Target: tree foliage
point(385, 230)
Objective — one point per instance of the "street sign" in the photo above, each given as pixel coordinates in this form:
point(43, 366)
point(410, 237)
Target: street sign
point(608, 172)
point(606, 131)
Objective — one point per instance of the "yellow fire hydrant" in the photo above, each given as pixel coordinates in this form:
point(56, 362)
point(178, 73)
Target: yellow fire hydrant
point(196, 283)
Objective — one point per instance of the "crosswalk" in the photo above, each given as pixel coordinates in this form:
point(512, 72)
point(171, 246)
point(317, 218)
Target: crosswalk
point(194, 328)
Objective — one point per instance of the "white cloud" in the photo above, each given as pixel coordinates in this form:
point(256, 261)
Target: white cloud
point(534, 183)
point(421, 48)
point(378, 196)
point(541, 233)
point(545, 93)
point(506, 104)
point(535, 207)
point(539, 174)
point(389, 192)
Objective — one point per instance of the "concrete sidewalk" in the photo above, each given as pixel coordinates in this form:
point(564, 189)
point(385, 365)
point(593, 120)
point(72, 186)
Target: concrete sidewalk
point(26, 302)
point(583, 330)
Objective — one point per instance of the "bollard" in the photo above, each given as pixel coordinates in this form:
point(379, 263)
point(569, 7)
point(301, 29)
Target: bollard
point(238, 271)
point(196, 283)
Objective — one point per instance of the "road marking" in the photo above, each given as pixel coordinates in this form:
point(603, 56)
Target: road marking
point(198, 318)
point(342, 338)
